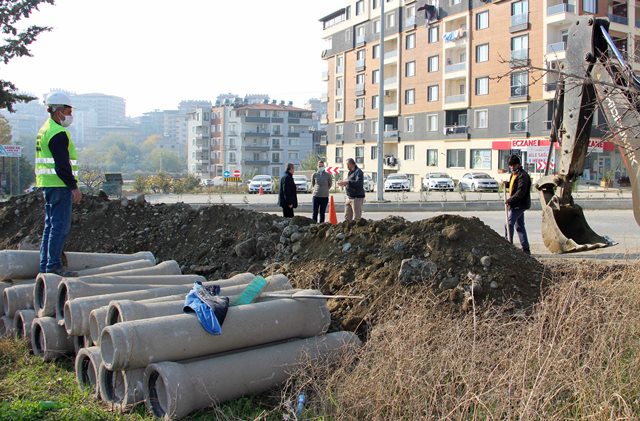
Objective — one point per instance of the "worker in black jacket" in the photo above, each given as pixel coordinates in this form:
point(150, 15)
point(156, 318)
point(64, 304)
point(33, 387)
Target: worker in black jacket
point(287, 196)
point(518, 202)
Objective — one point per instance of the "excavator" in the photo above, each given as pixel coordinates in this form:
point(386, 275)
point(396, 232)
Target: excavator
point(594, 74)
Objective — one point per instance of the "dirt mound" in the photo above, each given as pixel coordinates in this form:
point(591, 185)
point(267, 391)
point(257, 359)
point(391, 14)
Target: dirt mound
point(447, 258)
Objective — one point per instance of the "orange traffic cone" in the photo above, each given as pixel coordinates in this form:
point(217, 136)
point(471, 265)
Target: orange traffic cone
point(261, 190)
point(333, 218)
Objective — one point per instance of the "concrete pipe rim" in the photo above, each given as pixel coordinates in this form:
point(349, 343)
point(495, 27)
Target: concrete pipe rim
point(158, 399)
point(38, 343)
point(18, 326)
point(62, 301)
point(5, 301)
point(39, 290)
point(67, 316)
point(86, 372)
point(107, 350)
point(112, 385)
point(114, 315)
point(93, 328)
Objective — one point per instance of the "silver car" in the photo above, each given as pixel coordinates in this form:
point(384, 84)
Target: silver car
point(369, 185)
point(478, 181)
point(261, 180)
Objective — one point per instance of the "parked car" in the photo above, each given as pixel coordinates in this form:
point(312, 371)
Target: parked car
point(261, 180)
point(478, 181)
point(438, 181)
point(302, 183)
point(397, 182)
point(211, 182)
point(369, 185)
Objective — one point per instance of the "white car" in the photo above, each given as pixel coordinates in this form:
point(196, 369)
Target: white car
point(302, 183)
point(369, 185)
point(478, 181)
point(212, 182)
point(261, 180)
point(438, 181)
point(397, 182)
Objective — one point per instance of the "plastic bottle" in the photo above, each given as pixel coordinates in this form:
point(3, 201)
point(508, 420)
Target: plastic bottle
point(300, 405)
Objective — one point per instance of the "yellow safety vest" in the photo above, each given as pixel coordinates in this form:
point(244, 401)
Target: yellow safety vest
point(45, 165)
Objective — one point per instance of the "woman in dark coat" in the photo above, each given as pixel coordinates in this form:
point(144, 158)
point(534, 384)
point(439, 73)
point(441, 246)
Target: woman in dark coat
point(287, 197)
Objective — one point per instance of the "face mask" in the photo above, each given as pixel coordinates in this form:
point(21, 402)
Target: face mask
point(67, 120)
point(321, 169)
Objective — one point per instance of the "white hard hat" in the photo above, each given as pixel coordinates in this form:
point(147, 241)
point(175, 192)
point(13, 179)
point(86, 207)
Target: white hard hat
point(59, 98)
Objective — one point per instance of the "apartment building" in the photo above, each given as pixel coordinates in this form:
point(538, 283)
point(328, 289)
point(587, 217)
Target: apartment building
point(254, 138)
point(465, 84)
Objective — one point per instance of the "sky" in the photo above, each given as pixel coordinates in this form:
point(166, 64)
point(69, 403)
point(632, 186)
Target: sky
point(155, 53)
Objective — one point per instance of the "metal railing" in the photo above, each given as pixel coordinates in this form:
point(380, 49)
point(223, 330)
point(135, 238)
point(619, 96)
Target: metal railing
point(560, 8)
point(623, 20)
point(518, 126)
point(410, 21)
point(556, 47)
point(455, 129)
point(520, 90)
point(450, 68)
point(521, 19)
point(522, 54)
point(455, 98)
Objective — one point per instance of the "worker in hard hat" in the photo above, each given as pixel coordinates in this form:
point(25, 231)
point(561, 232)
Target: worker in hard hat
point(56, 173)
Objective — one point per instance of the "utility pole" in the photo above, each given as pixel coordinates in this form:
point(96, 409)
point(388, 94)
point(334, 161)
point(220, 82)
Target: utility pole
point(380, 147)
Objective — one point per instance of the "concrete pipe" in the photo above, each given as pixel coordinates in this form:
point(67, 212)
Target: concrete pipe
point(127, 310)
point(118, 267)
point(121, 387)
point(79, 342)
point(88, 362)
point(16, 298)
point(49, 339)
point(6, 326)
point(8, 284)
point(22, 324)
point(138, 343)
point(25, 264)
point(79, 310)
point(45, 291)
point(173, 390)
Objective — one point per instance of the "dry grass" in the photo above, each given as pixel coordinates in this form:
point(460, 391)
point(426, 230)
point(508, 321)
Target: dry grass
point(575, 356)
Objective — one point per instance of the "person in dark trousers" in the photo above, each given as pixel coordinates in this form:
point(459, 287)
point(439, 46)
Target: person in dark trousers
point(518, 202)
point(321, 182)
point(354, 190)
point(56, 171)
point(287, 197)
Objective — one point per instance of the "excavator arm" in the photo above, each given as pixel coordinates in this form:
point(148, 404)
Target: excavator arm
point(594, 74)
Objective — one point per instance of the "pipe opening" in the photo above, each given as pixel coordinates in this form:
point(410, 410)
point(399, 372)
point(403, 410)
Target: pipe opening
point(19, 326)
point(5, 301)
point(62, 299)
point(4, 329)
point(67, 317)
point(38, 339)
point(114, 316)
point(87, 375)
point(106, 347)
point(38, 294)
point(157, 400)
point(79, 342)
point(93, 328)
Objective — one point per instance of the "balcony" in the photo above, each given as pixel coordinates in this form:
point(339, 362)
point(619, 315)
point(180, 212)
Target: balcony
point(391, 83)
point(622, 20)
point(359, 112)
point(255, 134)
point(293, 134)
point(560, 8)
point(360, 89)
point(451, 99)
point(339, 70)
point(451, 68)
point(519, 93)
point(456, 132)
point(359, 136)
point(518, 126)
point(391, 56)
point(339, 137)
point(519, 22)
point(360, 40)
point(557, 47)
point(390, 109)
point(360, 65)
point(410, 23)
point(260, 148)
point(391, 136)
point(455, 38)
point(256, 162)
point(550, 86)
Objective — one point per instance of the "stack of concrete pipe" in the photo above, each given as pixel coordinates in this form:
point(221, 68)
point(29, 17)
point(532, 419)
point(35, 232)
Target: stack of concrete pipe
point(124, 321)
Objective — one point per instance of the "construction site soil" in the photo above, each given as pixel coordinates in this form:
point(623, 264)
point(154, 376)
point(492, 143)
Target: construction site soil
point(453, 260)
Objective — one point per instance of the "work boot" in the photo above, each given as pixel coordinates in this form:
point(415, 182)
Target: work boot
point(526, 251)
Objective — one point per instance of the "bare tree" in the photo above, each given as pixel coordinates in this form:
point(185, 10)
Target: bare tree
point(92, 177)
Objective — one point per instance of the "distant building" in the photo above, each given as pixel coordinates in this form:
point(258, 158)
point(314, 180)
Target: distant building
point(26, 120)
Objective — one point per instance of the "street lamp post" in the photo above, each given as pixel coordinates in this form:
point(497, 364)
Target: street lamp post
point(380, 147)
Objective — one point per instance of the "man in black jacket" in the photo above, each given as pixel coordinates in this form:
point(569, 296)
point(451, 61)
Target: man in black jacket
point(288, 197)
point(519, 201)
point(354, 190)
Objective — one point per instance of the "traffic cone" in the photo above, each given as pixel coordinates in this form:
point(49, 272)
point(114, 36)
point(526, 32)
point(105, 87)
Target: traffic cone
point(261, 190)
point(333, 218)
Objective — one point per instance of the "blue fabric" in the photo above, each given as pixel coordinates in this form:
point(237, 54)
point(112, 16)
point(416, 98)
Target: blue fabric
point(516, 220)
point(57, 222)
point(206, 315)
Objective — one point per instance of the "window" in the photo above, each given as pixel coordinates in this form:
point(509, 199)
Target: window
point(432, 64)
point(482, 119)
point(519, 84)
point(375, 51)
point(339, 131)
point(482, 85)
point(432, 122)
point(410, 41)
point(374, 102)
point(374, 127)
point(391, 20)
point(338, 86)
point(339, 108)
point(375, 4)
point(520, 47)
point(359, 154)
point(410, 69)
point(482, 53)
point(482, 20)
point(432, 93)
point(409, 152)
point(432, 157)
point(375, 77)
point(376, 26)
point(275, 157)
point(360, 80)
point(359, 127)
point(410, 96)
point(519, 7)
point(433, 34)
point(360, 33)
point(360, 55)
point(359, 105)
point(455, 158)
point(347, 35)
point(408, 124)
point(339, 155)
point(359, 7)
point(590, 6)
point(232, 157)
point(518, 119)
point(339, 64)
point(374, 152)
point(480, 159)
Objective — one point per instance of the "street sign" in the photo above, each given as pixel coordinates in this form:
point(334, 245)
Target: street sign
point(233, 179)
point(226, 174)
point(236, 173)
point(333, 170)
point(542, 165)
point(12, 151)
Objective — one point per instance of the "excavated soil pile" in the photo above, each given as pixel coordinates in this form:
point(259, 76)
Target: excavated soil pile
point(448, 258)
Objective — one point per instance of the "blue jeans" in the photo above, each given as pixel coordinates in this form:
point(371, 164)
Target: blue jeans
point(319, 204)
point(516, 220)
point(57, 222)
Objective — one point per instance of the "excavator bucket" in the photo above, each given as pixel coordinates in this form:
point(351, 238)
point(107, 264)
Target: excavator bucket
point(565, 229)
